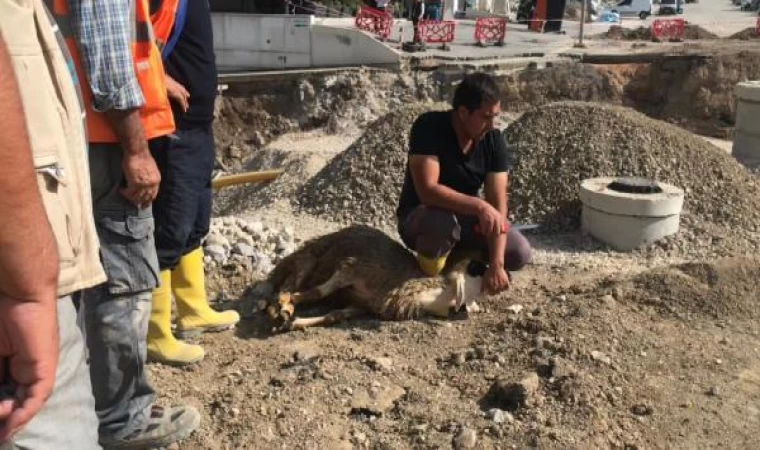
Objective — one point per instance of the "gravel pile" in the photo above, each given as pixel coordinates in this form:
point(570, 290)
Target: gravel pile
point(362, 184)
point(249, 244)
point(558, 145)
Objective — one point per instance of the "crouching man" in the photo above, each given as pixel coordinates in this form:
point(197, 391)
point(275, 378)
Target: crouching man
point(452, 155)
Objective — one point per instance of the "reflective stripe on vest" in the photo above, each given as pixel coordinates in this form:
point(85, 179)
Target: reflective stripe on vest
point(156, 114)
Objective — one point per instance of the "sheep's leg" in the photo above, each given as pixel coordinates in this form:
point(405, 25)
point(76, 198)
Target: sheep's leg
point(337, 281)
point(287, 301)
point(331, 318)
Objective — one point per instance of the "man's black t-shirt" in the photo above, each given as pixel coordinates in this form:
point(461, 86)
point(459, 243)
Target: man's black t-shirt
point(433, 134)
point(193, 65)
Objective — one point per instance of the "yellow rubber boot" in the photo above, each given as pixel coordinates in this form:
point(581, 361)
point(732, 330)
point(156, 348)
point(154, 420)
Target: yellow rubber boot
point(431, 266)
point(162, 345)
point(189, 287)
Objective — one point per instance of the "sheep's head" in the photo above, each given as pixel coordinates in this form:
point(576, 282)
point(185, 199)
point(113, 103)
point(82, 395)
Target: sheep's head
point(281, 311)
point(466, 277)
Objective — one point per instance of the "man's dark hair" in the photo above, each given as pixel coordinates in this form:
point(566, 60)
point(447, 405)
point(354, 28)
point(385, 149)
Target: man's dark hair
point(475, 90)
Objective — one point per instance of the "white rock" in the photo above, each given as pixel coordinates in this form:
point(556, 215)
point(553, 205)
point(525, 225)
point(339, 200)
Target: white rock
point(217, 239)
point(216, 252)
point(262, 263)
point(255, 228)
point(243, 249)
point(515, 309)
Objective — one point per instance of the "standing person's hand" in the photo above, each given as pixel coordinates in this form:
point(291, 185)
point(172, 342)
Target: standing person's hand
point(178, 93)
point(29, 357)
point(142, 176)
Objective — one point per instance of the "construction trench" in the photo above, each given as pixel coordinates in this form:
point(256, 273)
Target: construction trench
point(655, 347)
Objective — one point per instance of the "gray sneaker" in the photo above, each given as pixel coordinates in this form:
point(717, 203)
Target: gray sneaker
point(164, 427)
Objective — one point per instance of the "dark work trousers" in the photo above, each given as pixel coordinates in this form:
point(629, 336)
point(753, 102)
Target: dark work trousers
point(434, 232)
point(182, 210)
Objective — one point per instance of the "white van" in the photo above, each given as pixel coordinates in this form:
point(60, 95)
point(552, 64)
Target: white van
point(640, 8)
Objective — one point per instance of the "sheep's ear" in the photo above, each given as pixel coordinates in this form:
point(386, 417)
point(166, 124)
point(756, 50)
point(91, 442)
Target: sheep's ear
point(460, 295)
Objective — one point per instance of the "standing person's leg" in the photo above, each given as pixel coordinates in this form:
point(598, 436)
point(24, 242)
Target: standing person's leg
point(188, 278)
point(182, 211)
point(68, 419)
point(116, 316)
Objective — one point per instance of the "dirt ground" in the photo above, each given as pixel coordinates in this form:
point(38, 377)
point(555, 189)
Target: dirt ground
point(614, 350)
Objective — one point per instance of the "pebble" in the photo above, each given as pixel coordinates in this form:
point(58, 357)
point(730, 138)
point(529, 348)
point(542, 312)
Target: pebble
point(243, 249)
point(601, 357)
point(465, 439)
point(216, 252)
point(499, 416)
point(713, 391)
point(642, 409)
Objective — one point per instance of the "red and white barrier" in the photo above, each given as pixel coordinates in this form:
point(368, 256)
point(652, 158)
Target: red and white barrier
point(490, 29)
point(432, 32)
point(374, 21)
point(668, 30)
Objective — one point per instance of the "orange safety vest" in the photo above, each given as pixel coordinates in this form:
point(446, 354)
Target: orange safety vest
point(156, 113)
point(163, 21)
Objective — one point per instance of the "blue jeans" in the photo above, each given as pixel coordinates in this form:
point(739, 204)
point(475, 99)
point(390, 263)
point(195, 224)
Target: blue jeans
point(182, 210)
point(116, 313)
point(68, 418)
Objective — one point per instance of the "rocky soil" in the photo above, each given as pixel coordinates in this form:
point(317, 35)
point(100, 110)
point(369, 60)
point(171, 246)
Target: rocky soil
point(590, 348)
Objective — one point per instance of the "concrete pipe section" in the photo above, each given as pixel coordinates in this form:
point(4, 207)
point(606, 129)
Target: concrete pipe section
point(747, 132)
point(627, 213)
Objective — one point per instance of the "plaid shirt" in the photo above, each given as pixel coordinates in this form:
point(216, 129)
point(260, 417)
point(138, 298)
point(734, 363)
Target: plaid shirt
point(104, 31)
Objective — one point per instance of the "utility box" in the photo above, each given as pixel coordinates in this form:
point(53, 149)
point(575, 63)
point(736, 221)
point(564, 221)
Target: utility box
point(262, 41)
point(746, 147)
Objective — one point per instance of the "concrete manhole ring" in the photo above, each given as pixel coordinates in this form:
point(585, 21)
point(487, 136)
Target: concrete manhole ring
point(626, 220)
point(596, 193)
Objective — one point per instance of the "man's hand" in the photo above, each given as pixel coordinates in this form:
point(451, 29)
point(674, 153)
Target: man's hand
point(491, 221)
point(178, 92)
point(29, 355)
point(143, 178)
point(495, 280)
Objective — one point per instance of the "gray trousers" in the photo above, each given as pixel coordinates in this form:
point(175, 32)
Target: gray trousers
point(68, 420)
point(116, 313)
point(435, 232)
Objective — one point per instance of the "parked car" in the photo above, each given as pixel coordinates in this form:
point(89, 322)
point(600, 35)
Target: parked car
point(627, 8)
point(670, 7)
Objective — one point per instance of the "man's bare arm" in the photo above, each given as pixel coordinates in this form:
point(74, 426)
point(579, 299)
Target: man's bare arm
point(103, 30)
point(496, 196)
point(28, 252)
point(28, 269)
point(425, 171)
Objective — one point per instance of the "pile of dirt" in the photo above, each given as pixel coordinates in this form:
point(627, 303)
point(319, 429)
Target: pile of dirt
point(745, 35)
point(582, 82)
point(695, 94)
point(558, 145)
point(362, 184)
point(618, 33)
point(252, 114)
point(695, 32)
point(719, 291)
